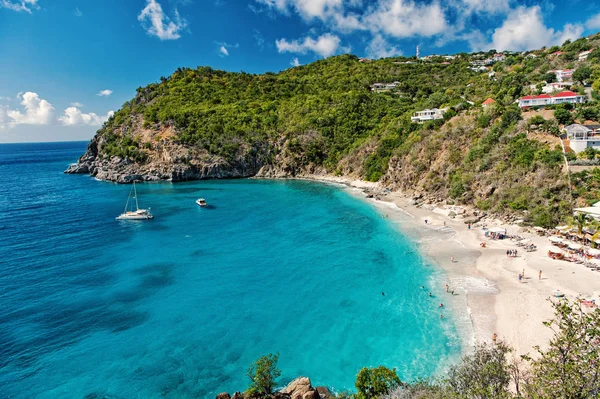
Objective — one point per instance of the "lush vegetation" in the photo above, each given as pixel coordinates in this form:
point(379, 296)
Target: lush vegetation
point(263, 374)
point(324, 114)
point(568, 369)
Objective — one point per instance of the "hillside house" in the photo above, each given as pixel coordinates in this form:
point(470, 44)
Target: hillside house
point(581, 137)
point(531, 55)
point(554, 87)
point(546, 99)
point(488, 102)
point(364, 60)
point(563, 74)
point(555, 54)
point(584, 55)
point(499, 57)
point(428, 115)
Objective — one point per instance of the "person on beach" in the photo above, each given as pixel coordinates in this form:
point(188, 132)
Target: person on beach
point(452, 292)
point(447, 287)
point(469, 226)
point(523, 273)
point(444, 223)
point(540, 275)
point(508, 252)
point(452, 259)
point(520, 277)
point(425, 221)
point(494, 337)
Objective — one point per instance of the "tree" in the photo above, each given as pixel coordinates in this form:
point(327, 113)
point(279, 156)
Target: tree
point(563, 116)
point(580, 220)
point(549, 77)
point(482, 375)
point(582, 74)
point(263, 373)
point(589, 153)
point(372, 383)
point(570, 367)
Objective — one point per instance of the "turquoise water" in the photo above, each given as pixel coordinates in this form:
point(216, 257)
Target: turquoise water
point(179, 306)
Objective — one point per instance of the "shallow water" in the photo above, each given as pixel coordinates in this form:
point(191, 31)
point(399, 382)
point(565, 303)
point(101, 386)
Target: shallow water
point(180, 306)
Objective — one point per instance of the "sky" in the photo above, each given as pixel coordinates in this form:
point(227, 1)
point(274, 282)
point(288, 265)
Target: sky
point(67, 65)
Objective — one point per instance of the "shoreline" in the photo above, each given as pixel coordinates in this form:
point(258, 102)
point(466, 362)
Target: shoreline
point(496, 301)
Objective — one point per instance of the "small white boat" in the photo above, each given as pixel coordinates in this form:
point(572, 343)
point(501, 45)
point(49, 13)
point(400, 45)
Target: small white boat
point(201, 202)
point(137, 214)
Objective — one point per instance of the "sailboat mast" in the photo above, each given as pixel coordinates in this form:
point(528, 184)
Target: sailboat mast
point(137, 207)
point(127, 203)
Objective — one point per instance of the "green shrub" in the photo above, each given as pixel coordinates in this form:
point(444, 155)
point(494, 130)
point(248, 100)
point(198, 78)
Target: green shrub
point(263, 374)
point(372, 383)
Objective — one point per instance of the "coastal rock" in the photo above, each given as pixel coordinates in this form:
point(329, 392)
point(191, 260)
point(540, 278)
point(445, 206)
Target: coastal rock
point(324, 392)
point(298, 387)
point(223, 395)
point(314, 394)
point(238, 395)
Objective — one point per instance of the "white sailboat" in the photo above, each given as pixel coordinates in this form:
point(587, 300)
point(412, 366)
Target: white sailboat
point(137, 214)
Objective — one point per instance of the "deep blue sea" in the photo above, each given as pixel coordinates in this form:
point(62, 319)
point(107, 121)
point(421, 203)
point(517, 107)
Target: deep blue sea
point(180, 306)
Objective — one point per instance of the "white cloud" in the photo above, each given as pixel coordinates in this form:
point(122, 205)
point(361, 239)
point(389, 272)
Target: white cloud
point(77, 104)
point(258, 37)
point(20, 5)
point(406, 18)
point(380, 48)
point(593, 23)
point(78, 12)
point(36, 111)
point(105, 93)
point(325, 45)
point(223, 50)
point(295, 62)
point(72, 116)
point(485, 6)
point(157, 23)
point(524, 29)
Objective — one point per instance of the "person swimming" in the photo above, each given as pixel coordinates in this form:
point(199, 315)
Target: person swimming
point(430, 294)
point(382, 293)
point(441, 305)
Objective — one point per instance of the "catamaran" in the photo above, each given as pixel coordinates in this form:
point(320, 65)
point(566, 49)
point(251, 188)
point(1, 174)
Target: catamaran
point(138, 214)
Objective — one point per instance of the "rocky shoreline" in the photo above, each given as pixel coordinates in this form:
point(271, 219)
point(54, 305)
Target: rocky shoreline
point(300, 388)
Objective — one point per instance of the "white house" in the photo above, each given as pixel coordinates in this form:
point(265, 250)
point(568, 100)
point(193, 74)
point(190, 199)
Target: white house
point(563, 74)
point(547, 99)
point(499, 57)
point(428, 115)
point(583, 136)
point(556, 86)
point(584, 56)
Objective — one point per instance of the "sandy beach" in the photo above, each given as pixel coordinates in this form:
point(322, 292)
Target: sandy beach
point(497, 301)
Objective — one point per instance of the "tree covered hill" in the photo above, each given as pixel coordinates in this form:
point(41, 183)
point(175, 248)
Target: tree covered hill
point(324, 118)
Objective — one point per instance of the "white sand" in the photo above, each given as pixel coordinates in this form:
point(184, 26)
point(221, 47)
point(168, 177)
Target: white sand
point(497, 301)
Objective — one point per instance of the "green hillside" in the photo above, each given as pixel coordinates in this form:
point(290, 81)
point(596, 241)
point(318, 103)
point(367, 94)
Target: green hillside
point(325, 116)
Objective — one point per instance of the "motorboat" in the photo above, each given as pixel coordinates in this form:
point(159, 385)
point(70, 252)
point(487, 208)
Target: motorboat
point(137, 214)
point(201, 202)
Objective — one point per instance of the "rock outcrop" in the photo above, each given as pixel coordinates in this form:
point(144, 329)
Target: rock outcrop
point(300, 388)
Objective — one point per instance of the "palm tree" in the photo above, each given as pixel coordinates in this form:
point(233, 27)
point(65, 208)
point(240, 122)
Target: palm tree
point(580, 220)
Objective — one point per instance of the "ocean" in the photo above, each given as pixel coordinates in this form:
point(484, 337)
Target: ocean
point(180, 306)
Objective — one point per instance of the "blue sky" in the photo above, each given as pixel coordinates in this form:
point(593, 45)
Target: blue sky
point(67, 64)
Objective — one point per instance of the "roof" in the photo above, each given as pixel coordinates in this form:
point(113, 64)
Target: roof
point(592, 210)
point(562, 94)
point(489, 101)
point(566, 94)
point(575, 128)
point(593, 127)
